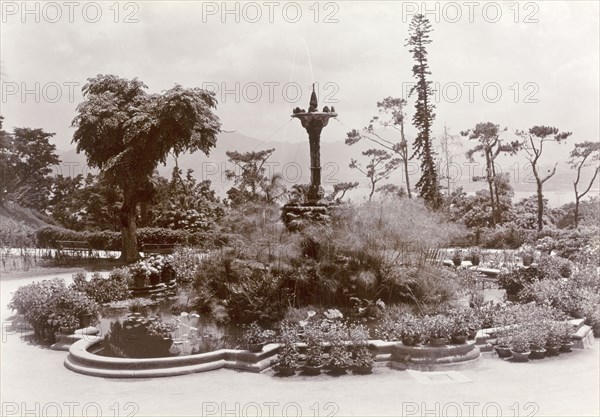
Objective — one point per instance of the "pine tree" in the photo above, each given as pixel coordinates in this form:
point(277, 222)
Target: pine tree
point(428, 184)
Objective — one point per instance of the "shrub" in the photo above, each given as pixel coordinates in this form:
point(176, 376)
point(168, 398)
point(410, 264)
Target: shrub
point(187, 262)
point(247, 290)
point(464, 321)
point(49, 305)
point(402, 326)
point(366, 257)
point(288, 353)
point(14, 234)
point(104, 290)
point(438, 326)
point(256, 335)
point(103, 240)
point(111, 240)
point(515, 280)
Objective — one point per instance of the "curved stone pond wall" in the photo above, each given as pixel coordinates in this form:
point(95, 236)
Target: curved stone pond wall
point(83, 359)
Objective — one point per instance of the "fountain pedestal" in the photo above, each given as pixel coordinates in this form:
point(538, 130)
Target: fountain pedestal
point(313, 208)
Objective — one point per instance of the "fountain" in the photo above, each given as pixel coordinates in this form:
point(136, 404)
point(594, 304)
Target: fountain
point(313, 121)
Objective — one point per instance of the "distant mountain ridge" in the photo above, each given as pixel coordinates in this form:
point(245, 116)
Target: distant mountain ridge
point(292, 161)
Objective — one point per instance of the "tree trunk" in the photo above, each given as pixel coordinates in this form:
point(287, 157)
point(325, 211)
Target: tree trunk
point(498, 210)
point(490, 185)
point(540, 201)
point(144, 214)
point(129, 249)
point(405, 159)
point(576, 210)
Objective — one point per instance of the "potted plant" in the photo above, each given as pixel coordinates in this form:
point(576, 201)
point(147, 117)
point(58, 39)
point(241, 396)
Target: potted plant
point(463, 322)
point(475, 256)
point(167, 273)
point(362, 359)
point(154, 265)
point(288, 352)
point(502, 346)
point(527, 255)
point(139, 272)
point(363, 362)
point(256, 337)
point(538, 335)
point(553, 339)
point(313, 336)
point(337, 335)
point(566, 342)
point(411, 331)
point(519, 346)
point(457, 257)
point(438, 329)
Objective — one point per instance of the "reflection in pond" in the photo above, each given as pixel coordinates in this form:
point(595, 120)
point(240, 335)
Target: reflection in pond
point(154, 332)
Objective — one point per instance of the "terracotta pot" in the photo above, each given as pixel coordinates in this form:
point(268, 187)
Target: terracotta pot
point(154, 279)
point(552, 350)
point(457, 262)
point(577, 314)
point(85, 320)
point(520, 356)
point(537, 354)
point(566, 347)
point(438, 341)
point(596, 329)
point(311, 370)
point(284, 370)
point(338, 370)
point(503, 351)
point(362, 370)
point(410, 341)
point(167, 276)
point(139, 281)
point(472, 334)
point(459, 339)
point(255, 347)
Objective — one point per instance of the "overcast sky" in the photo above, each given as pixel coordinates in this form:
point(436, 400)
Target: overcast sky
point(522, 64)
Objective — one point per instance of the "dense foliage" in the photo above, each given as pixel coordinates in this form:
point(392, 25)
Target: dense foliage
point(50, 306)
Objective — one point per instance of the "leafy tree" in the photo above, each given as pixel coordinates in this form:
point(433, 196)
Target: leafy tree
point(533, 144)
point(26, 158)
point(380, 166)
point(391, 114)
point(475, 211)
point(584, 155)
point(391, 190)
point(525, 214)
point(65, 204)
point(184, 203)
point(428, 184)
point(342, 187)
point(490, 146)
point(251, 183)
point(90, 203)
point(6, 161)
point(126, 132)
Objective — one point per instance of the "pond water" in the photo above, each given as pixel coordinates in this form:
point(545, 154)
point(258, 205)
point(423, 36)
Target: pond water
point(158, 330)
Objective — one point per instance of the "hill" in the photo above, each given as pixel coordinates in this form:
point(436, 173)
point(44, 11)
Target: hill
point(292, 161)
point(29, 218)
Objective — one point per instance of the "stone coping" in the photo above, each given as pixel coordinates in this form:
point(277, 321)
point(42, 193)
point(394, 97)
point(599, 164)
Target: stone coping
point(81, 359)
